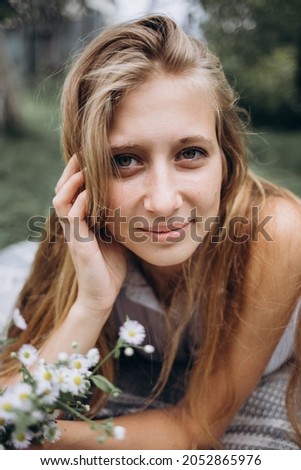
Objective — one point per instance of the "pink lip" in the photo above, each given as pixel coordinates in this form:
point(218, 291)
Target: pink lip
point(166, 234)
point(167, 229)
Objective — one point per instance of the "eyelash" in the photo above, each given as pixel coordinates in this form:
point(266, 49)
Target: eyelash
point(116, 159)
point(196, 149)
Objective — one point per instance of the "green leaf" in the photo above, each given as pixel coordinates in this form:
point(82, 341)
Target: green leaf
point(104, 384)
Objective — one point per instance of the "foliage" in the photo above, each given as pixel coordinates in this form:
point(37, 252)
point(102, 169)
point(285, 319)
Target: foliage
point(38, 11)
point(259, 42)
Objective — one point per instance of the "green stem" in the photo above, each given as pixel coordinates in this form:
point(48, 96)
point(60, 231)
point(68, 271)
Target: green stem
point(74, 412)
point(118, 345)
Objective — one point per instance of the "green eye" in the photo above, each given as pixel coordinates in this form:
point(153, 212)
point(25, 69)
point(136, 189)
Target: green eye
point(192, 153)
point(123, 160)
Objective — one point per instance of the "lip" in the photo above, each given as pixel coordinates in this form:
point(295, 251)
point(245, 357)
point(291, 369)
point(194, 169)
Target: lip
point(165, 229)
point(166, 233)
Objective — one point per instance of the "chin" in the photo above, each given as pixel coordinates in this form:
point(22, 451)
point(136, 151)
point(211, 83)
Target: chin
point(171, 256)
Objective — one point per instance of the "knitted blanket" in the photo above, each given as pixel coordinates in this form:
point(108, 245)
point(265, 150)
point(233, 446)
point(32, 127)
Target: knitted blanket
point(262, 422)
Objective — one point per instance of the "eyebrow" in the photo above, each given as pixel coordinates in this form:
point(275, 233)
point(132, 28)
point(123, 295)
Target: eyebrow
point(125, 146)
point(183, 140)
point(199, 137)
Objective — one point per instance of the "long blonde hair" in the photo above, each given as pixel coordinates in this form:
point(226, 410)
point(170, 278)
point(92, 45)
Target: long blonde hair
point(116, 62)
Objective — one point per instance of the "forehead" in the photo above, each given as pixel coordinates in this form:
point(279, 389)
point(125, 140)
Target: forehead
point(161, 104)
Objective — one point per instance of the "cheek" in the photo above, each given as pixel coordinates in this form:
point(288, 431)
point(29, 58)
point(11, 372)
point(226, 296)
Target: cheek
point(208, 191)
point(115, 196)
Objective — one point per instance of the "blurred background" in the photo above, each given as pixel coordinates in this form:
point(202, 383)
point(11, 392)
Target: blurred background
point(259, 42)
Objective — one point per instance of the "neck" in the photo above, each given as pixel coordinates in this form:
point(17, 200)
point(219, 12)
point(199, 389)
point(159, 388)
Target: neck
point(162, 278)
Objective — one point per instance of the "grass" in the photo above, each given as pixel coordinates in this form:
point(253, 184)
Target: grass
point(31, 164)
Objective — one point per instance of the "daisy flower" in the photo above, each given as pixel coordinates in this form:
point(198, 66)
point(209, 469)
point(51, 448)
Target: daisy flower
point(47, 393)
point(76, 383)
point(8, 402)
point(132, 332)
point(21, 440)
point(27, 355)
point(62, 378)
point(63, 357)
point(51, 432)
point(79, 363)
point(23, 393)
point(45, 373)
point(18, 320)
point(93, 357)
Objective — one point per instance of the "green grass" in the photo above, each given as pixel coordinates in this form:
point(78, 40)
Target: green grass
point(31, 164)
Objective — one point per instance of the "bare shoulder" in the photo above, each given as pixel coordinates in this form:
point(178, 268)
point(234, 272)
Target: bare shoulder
point(274, 272)
point(279, 233)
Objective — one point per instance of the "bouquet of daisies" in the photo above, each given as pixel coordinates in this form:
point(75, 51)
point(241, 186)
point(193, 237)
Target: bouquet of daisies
point(29, 409)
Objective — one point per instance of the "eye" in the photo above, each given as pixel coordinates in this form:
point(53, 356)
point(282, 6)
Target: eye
point(125, 165)
point(124, 161)
point(191, 154)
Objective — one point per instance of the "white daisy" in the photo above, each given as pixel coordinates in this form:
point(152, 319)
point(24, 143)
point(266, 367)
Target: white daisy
point(93, 357)
point(63, 358)
point(51, 432)
point(45, 373)
point(27, 355)
point(48, 393)
point(77, 383)
point(23, 393)
point(62, 379)
point(21, 440)
point(132, 332)
point(5, 418)
point(18, 320)
point(8, 402)
point(79, 363)
point(38, 416)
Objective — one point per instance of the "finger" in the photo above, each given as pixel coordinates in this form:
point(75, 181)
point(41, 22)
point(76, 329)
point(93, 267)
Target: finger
point(71, 168)
point(79, 230)
point(66, 195)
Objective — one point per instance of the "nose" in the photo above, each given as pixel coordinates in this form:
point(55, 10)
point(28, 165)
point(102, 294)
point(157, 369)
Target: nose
point(162, 193)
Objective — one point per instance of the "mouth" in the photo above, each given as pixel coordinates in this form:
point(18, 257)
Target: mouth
point(165, 232)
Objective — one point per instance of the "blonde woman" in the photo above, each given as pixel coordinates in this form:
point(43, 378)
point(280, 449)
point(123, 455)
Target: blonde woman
point(158, 218)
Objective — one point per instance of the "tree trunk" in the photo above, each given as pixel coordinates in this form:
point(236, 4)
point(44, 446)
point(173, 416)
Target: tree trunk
point(10, 114)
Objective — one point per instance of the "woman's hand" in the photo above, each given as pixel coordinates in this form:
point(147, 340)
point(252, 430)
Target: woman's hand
point(100, 269)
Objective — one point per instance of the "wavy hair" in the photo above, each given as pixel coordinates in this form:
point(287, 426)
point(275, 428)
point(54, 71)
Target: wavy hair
point(116, 62)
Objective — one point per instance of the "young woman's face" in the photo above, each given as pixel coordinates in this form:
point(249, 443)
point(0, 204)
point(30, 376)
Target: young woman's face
point(164, 145)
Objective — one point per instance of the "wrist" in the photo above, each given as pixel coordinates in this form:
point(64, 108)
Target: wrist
point(85, 311)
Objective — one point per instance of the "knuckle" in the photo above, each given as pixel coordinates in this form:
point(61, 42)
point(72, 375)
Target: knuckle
point(54, 201)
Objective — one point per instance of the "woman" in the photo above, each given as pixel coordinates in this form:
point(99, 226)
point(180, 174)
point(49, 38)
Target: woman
point(160, 220)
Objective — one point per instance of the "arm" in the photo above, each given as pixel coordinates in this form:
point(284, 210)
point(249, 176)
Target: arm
point(273, 286)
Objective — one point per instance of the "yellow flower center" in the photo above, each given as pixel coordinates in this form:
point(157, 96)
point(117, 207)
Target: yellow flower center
point(7, 406)
point(47, 375)
point(23, 396)
point(20, 436)
point(77, 380)
point(132, 333)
